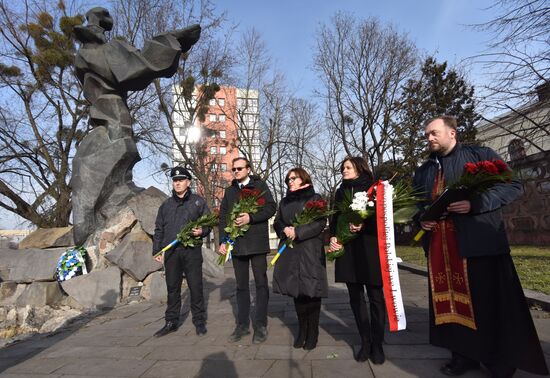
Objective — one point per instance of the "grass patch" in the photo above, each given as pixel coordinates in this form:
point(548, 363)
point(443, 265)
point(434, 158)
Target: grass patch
point(532, 264)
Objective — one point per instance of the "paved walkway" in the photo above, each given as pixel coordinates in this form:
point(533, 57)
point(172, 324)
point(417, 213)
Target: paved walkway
point(120, 343)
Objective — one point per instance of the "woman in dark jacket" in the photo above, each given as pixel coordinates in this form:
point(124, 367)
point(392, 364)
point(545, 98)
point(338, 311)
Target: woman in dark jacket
point(300, 272)
point(359, 266)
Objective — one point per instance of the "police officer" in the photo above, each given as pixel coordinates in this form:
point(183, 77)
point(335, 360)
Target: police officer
point(174, 213)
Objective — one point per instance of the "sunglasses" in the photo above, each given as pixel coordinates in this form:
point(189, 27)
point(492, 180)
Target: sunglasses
point(238, 169)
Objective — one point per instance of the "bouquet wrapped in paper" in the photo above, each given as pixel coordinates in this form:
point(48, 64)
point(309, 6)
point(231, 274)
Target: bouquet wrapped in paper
point(356, 207)
point(250, 201)
point(313, 211)
point(186, 238)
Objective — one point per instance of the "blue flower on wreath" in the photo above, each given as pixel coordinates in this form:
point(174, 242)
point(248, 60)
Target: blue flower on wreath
point(71, 264)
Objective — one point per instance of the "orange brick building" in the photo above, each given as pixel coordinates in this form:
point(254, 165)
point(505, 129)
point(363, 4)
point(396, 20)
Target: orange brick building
point(232, 119)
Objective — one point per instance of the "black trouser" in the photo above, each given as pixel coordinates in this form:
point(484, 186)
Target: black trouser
point(371, 330)
point(189, 262)
point(259, 269)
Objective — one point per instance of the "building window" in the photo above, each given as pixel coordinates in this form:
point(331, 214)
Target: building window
point(221, 118)
point(253, 103)
point(212, 117)
point(516, 149)
point(221, 101)
point(212, 102)
point(223, 167)
point(222, 134)
point(223, 150)
point(213, 167)
point(213, 150)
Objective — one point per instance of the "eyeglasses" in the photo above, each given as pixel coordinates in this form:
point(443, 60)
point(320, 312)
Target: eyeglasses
point(237, 169)
point(293, 178)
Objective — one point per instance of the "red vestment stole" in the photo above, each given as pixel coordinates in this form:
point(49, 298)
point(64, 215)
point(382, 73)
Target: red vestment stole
point(448, 272)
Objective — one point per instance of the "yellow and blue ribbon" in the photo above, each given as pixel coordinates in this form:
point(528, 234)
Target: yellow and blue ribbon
point(419, 235)
point(229, 247)
point(279, 252)
point(171, 245)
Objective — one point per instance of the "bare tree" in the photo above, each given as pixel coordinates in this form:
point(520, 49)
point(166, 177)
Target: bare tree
point(42, 112)
point(161, 110)
point(325, 162)
point(261, 111)
point(362, 65)
point(517, 63)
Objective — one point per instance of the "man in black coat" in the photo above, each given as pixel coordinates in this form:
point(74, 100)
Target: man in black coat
point(174, 213)
point(495, 327)
point(250, 249)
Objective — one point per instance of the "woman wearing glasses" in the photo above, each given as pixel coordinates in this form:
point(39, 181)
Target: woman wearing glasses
point(300, 271)
point(359, 266)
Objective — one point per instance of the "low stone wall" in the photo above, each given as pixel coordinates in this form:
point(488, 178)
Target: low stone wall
point(528, 218)
point(119, 262)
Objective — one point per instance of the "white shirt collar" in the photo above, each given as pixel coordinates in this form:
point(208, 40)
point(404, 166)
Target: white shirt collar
point(245, 182)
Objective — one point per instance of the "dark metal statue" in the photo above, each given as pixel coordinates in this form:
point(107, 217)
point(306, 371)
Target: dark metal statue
point(102, 167)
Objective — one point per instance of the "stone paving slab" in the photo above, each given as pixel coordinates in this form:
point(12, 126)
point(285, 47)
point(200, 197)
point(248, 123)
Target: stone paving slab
point(337, 368)
point(119, 343)
point(38, 366)
point(289, 369)
point(106, 367)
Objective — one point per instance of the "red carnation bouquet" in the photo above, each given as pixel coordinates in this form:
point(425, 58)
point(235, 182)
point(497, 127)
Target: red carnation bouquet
point(250, 201)
point(480, 176)
point(313, 211)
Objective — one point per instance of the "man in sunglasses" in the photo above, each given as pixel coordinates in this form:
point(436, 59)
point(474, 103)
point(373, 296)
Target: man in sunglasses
point(250, 249)
point(174, 213)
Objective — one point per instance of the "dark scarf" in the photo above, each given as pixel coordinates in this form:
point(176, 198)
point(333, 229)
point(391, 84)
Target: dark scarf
point(363, 182)
point(300, 194)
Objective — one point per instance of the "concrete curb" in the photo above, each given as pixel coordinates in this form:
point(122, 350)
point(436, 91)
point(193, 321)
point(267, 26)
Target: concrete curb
point(534, 298)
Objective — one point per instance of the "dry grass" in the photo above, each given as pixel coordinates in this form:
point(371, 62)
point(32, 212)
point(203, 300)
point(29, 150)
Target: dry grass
point(532, 264)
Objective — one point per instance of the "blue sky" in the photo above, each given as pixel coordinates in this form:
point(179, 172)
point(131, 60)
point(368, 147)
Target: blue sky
point(289, 28)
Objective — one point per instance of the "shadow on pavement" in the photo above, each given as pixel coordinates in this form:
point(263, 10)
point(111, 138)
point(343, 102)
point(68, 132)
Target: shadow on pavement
point(217, 365)
point(28, 347)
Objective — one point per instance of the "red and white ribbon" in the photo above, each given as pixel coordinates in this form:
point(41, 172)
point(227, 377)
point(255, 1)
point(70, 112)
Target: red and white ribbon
point(388, 260)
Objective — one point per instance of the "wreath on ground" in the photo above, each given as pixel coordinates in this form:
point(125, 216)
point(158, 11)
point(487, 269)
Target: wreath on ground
point(72, 263)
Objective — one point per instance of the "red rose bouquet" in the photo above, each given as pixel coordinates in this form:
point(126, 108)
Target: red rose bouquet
point(477, 178)
point(313, 211)
point(480, 176)
point(250, 201)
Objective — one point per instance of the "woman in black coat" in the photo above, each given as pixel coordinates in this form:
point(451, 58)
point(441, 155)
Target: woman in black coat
point(300, 271)
point(359, 266)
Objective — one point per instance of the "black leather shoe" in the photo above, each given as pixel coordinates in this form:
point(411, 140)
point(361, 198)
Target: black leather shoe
point(377, 354)
point(459, 366)
point(238, 333)
point(168, 328)
point(260, 335)
point(201, 330)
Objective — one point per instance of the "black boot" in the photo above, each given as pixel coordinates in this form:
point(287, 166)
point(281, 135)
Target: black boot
point(302, 331)
point(301, 312)
point(377, 354)
point(364, 351)
point(313, 313)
